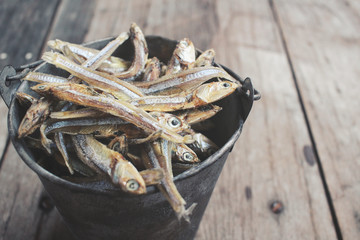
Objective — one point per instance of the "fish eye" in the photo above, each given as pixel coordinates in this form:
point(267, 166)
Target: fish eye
point(225, 84)
point(41, 87)
point(132, 185)
point(187, 157)
point(174, 122)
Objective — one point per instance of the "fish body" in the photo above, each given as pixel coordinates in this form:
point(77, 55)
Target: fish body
point(82, 95)
point(196, 115)
point(182, 81)
point(140, 55)
point(183, 57)
point(34, 117)
point(97, 79)
point(109, 65)
point(205, 59)
point(121, 171)
point(203, 95)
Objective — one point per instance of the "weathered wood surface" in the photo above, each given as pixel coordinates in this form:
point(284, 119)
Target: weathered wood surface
point(268, 162)
point(323, 39)
point(274, 43)
point(21, 39)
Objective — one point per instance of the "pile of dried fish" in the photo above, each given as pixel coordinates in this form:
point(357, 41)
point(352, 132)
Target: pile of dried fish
point(130, 121)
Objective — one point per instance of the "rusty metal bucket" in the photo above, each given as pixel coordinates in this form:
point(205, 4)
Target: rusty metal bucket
point(99, 210)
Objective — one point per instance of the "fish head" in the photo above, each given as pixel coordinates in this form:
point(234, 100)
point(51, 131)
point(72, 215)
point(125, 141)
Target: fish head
point(42, 88)
point(211, 92)
point(185, 154)
point(126, 175)
point(48, 88)
point(173, 122)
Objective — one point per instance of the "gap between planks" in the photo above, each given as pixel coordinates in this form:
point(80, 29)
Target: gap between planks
point(313, 143)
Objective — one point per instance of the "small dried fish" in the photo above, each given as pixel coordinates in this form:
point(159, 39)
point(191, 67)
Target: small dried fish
point(155, 158)
point(78, 113)
point(205, 59)
point(203, 95)
point(103, 126)
point(183, 57)
point(82, 95)
point(185, 154)
point(34, 117)
point(44, 78)
point(25, 99)
point(61, 145)
point(175, 123)
point(152, 176)
point(121, 171)
point(85, 53)
point(203, 145)
point(197, 115)
point(186, 80)
point(152, 70)
point(120, 89)
point(141, 54)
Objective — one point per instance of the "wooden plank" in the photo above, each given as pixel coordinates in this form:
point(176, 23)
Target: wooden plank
point(22, 191)
point(193, 19)
point(272, 161)
point(323, 39)
point(23, 27)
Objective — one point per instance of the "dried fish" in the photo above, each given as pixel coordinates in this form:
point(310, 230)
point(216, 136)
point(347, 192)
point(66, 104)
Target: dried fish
point(61, 145)
point(152, 70)
point(121, 171)
point(155, 158)
point(183, 57)
point(203, 95)
point(196, 115)
point(34, 117)
point(185, 154)
point(120, 89)
point(152, 176)
point(205, 59)
point(141, 54)
point(85, 53)
point(44, 78)
point(85, 96)
point(78, 113)
point(25, 99)
point(182, 81)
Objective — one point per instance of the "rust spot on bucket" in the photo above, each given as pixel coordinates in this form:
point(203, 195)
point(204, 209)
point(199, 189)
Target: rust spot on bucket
point(309, 155)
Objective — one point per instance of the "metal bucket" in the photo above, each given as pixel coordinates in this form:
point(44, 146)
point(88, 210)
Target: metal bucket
point(101, 211)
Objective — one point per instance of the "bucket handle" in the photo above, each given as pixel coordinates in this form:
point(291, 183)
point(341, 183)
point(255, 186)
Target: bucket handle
point(9, 79)
point(246, 93)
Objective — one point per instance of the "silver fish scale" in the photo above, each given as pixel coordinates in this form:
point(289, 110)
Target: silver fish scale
point(97, 77)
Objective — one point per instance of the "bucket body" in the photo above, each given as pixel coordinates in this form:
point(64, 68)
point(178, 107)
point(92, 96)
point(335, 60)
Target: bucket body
point(101, 211)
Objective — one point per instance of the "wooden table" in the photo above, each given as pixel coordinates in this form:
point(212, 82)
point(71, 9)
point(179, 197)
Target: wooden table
point(295, 171)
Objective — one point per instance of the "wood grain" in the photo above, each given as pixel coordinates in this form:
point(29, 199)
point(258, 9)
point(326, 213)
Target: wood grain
point(21, 191)
point(326, 64)
point(23, 27)
point(268, 162)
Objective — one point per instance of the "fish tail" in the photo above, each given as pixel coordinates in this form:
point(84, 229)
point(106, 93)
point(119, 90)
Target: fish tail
point(49, 57)
point(185, 213)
